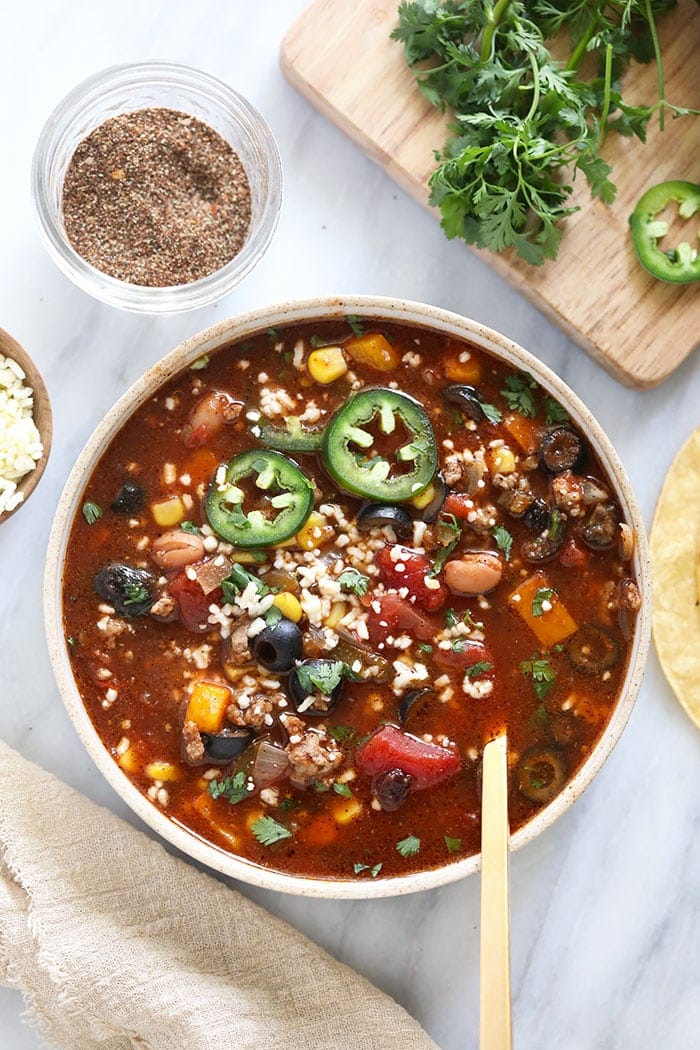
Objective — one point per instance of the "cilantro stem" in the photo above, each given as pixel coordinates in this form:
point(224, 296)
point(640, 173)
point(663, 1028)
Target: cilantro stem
point(603, 128)
point(579, 51)
point(659, 63)
point(495, 15)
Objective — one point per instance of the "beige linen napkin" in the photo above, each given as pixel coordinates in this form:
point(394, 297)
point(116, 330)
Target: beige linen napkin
point(116, 944)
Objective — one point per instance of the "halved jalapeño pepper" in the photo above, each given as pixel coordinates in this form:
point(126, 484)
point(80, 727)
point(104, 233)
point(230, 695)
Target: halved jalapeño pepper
point(286, 493)
point(358, 438)
point(680, 265)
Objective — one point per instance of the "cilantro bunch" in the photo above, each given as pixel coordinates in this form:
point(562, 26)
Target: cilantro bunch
point(524, 123)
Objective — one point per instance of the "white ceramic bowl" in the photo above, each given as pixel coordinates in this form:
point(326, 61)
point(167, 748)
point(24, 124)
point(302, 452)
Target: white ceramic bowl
point(238, 328)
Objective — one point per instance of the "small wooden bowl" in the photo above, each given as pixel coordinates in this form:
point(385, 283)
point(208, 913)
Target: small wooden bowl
point(9, 347)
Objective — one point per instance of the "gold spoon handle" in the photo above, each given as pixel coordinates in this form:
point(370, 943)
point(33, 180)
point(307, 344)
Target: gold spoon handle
point(494, 1017)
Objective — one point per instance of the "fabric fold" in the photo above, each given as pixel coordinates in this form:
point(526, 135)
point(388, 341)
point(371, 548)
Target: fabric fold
point(115, 944)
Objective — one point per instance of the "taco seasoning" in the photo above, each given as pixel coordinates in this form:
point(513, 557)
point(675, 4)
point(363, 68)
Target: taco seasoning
point(156, 197)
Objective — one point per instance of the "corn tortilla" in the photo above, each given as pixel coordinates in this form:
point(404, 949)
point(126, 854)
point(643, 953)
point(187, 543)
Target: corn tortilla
point(675, 558)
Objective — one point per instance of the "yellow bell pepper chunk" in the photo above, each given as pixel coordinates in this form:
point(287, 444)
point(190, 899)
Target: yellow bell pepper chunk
point(374, 351)
point(326, 364)
point(348, 811)
point(168, 512)
point(129, 760)
point(315, 533)
point(207, 706)
point(554, 623)
point(162, 771)
point(457, 371)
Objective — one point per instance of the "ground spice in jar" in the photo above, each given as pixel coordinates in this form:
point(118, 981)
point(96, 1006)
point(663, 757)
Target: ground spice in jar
point(156, 197)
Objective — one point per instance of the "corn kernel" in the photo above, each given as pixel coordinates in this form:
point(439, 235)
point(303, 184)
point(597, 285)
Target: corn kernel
point(162, 771)
point(425, 498)
point(315, 533)
point(326, 364)
point(501, 460)
point(129, 760)
point(347, 812)
point(169, 512)
point(289, 606)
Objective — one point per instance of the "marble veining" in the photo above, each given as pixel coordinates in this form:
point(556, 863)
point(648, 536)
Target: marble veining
point(605, 905)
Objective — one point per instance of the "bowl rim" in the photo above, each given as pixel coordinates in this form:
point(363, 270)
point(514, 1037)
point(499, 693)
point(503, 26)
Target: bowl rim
point(235, 329)
point(42, 415)
point(175, 298)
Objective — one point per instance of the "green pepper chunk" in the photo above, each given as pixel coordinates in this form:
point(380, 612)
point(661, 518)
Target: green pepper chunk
point(353, 463)
point(288, 491)
point(679, 265)
point(292, 437)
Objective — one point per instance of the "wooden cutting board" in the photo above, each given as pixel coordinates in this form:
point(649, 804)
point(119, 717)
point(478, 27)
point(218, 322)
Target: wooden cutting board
point(339, 55)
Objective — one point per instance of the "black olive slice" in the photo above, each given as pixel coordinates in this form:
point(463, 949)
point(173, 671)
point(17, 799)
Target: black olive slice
point(599, 531)
point(129, 500)
point(537, 515)
point(548, 544)
point(377, 515)
point(468, 398)
point(541, 774)
point(411, 702)
point(226, 745)
point(593, 650)
point(431, 512)
point(279, 646)
point(561, 449)
point(130, 591)
point(391, 789)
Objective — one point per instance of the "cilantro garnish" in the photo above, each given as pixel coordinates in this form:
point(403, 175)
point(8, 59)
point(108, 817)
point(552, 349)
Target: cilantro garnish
point(542, 594)
point(189, 526)
point(272, 616)
point(409, 846)
point(136, 593)
point(517, 394)
point(91, 512)
point(288, 803)
point(479, 668)
point(374, 871)
point(451, 618)
point(231, 788)
point(320, 787)
point(342, 789)
point(343, 734)
point(543, 676)
point(353, 582)
point(200, 363)
point(423, 647)
point(316, 341)
point(237, 581)
point(356, 325)
point(453, 845)
point(324, 677)
point(268, 831)
point(504, 540)
point(274, 334)
point(554, 412)
point(493, 414)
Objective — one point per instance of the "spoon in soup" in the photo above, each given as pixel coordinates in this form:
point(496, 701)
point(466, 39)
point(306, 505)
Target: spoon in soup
point(494, 1004)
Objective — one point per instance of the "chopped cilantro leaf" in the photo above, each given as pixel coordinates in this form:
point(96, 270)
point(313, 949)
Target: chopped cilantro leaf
point(320, 787)
point(543, 676)
point(451, 618)
point(91, 512)
point(542, 594)
point(275, 334)
point(288, 803)
point(189, 526)
point(423, 647)
point(200, 363)
point(356, 325)
point(316, 341)
point(272, 616)
point(479, 668)
point(409, 846)
point(493, 414)
point(231, 788)
point(268, 831)
point(504, 540)
point(136, 593)
point(453, 845)
point(517, 394)
point(324, 677)
point(237, 581)
point(374, 871)
point(353, 582)
point(554, 412)
point(342, 789)
point(343, 734)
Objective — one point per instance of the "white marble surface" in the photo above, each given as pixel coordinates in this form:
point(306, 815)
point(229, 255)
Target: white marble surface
point(606, 904)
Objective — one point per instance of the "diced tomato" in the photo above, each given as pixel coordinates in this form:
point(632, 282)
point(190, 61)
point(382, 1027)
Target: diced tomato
point(193, 603)
point(459, 504)
point(465, 655)
point(572, 555)
point(390, 748)
point(402, 567)
point(389, 614)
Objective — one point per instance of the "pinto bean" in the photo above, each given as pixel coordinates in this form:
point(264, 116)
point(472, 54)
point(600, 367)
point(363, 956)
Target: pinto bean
point(175, 549)
point(209, 416)
point(476, 572)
